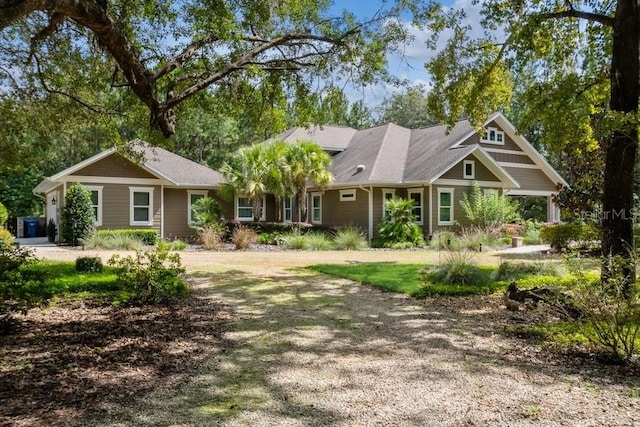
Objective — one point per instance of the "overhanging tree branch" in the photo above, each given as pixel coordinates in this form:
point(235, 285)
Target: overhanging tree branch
point(573, 13)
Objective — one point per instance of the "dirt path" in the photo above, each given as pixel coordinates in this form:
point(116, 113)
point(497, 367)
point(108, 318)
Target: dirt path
point(307, 349)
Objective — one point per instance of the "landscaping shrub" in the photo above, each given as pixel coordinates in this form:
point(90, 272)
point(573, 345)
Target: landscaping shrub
point(77, 216)
point(174, 245)
point(532, 232)
point(206, 213)
point(561, 236)
point(269, 238)
point(398, 225)
point(612, 310)
point(152, 275)
point(489, 210)
point(294, 240)
point(4, 215)
point(317, 241)
point(6, 237)
point(350, 238)
point(145, 236)
point(178, 245)
point(16, 290)
point(243, 237)
point(510, 270)
point(458, 269)
point(89, 265)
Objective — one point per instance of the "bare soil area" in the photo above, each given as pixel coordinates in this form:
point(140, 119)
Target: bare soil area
point(264, 341)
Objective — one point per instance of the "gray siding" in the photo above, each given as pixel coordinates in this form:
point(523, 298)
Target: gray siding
point(532, 179)
point(509, 144)
point(512, 158)
point(337, 213)
point(116, 207)
point(114, 166)
point(481, 171)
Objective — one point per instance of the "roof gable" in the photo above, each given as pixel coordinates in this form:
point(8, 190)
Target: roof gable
point(501, 121)
point(156, 163)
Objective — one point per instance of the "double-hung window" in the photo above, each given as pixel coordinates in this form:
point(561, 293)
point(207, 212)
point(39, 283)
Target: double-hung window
point(387, 194)
point(415, 194)
point(244, 209)
point(445, 206)
point(193, 197)
point(141, 202)
point(316, 208)
point(287, 214)
point(96, 203)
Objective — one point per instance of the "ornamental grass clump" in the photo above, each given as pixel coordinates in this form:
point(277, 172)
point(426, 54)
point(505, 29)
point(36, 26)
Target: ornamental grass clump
point(317, 241)
point(458, 269)
point(350, 238)
point(243, 237)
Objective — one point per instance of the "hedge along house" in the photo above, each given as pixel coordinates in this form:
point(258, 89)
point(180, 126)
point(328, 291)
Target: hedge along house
point(153, 192)
point(433, 167)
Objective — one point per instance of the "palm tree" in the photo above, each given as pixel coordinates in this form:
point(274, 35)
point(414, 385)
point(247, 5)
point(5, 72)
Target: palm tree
point(307, 163)
point(247, 174)
point(278, 175)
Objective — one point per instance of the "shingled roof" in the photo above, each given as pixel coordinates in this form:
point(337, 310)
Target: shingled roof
point(392, 154)
point(176, 170)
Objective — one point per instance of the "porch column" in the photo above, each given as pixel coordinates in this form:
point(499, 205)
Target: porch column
point(553, 210)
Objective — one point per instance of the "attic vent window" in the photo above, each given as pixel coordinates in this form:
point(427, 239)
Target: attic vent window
point(492, 135)
point(347, 195)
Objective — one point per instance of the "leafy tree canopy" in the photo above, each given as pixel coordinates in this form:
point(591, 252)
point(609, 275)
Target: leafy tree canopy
point(168, 51)
point(409, 109)
point(577, 67)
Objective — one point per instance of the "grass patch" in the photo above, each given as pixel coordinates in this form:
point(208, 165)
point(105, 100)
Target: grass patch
point(60, 279)
point(402, 278)
point(406, 279)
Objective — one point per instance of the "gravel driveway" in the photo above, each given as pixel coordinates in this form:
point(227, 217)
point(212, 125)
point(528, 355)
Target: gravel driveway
point(307, 349)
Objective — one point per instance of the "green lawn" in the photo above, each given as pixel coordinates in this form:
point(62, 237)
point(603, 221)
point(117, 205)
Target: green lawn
point(406, 278)
point(59, 278)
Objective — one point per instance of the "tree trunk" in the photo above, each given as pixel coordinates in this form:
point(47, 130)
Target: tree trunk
point(621, 148)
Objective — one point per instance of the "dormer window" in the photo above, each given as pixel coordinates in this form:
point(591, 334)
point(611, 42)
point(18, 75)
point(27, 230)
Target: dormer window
point(492, 135)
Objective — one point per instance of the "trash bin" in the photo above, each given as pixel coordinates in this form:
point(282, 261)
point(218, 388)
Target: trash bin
point(31, 227)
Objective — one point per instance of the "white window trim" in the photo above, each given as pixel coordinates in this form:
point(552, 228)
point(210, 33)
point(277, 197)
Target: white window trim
point(386, 191)
point(319, 196)
point(245, 219)
point(344, 195)
point(411, 191)
point(97, 188)
point(484, 138)
point(133, 190)
point(473, 169)
point(284, 209)
point(446, 190)
point(203, 193)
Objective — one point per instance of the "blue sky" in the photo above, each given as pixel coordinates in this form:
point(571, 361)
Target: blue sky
point(409, 66)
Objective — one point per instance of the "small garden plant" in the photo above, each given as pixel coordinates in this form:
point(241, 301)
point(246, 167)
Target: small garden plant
point(398, 228)
point(154, 276)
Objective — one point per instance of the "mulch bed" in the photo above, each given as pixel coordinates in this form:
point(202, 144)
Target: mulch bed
point(69, 361)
